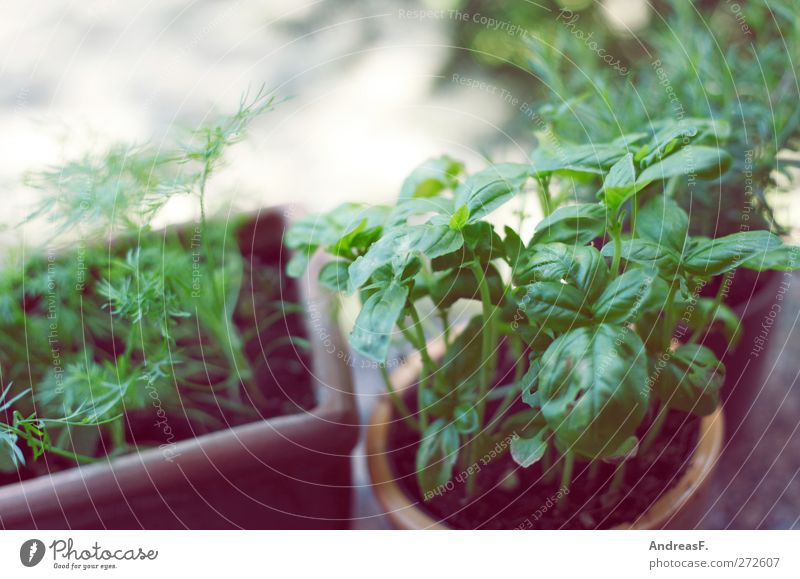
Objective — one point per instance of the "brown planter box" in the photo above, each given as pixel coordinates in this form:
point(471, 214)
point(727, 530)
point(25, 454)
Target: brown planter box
point(286, 472)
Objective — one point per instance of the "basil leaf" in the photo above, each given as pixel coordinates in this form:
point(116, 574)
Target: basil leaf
point(333, 275)
point(620, 182)
point(459, 218)
point(592, 159)
point(593, 388)
point(431, 177)
point(573, 224)
point(406, 208)
point(550, 262)
point(710, 257)
point(721, 316)
point(645, 252)
point(556, 305)
point(487, 190)
point(622, 301)
point(664, 222)
point(372, 333)
point(398, 245)
point(691, 380)
point(590, 273)
point(704, 162)
point(529, 450)
point(783, 258)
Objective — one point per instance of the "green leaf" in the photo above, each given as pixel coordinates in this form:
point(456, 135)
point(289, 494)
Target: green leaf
point(399, 245)
point(591, 159)
point(298, 263)
point(702, 162)
point(573, 225)
point(466, 419)
point(371, 336)
point(450, 287)
point(710, 257)
point(550, 262)
point(622, 301)
point(783, 258)
point(647, 253)
point(459, 218)
point(721, 317)
point(11, 457)
point(436, 456)
point(556, 305)
point(431, 177)
point(590, 273)
point(334, 276)
point(593, 388)
point(664, 222)
point(691, 380)
point(487, 190)
point(620, 183)
point(529, 450)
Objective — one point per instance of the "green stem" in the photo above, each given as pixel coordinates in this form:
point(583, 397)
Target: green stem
point(667, 330)
point(566, 478)
point(487, 337)
point(708, 321)
point(82, 458)
point(428, 367)
point(616, 234)
point(543, 191)
point(399, 404)
point(594, 470)
point(547, 464)
point(655, 428)
point(619, 478)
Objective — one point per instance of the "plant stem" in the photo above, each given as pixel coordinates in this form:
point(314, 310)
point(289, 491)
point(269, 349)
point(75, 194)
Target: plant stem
point(487, 340)
point(619, 478)
point(428, 366)
point(399, 404)
point(82, 458)
point(667, 331)
point(708, 321)
point(616, 234)
point(594, 469)
point(655, 428)
point(543, 191)
point(547, 464)
point(566, 478)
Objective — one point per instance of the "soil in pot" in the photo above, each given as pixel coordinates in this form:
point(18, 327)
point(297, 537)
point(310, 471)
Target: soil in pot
point(280, 363)
point(509, 497)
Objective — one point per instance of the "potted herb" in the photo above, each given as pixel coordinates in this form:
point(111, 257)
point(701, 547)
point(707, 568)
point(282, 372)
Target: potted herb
point(574, 393)
point(167, 378)
point(737, 70)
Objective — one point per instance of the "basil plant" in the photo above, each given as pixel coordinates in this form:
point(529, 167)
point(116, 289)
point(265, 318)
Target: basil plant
point(599, 310)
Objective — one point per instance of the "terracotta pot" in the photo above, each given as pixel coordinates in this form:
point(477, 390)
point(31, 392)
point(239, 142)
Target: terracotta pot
point(290, 471)
point(682, 507)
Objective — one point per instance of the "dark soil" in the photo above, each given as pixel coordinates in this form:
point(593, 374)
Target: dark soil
point(509, 497)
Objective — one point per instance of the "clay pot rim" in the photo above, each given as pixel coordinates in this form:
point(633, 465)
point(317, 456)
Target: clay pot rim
point(404, 513)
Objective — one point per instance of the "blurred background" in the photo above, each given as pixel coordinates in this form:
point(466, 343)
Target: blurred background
point(373, 87)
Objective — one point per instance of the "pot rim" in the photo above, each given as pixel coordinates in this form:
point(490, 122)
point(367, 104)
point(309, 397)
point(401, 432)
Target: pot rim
point(404, 513)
